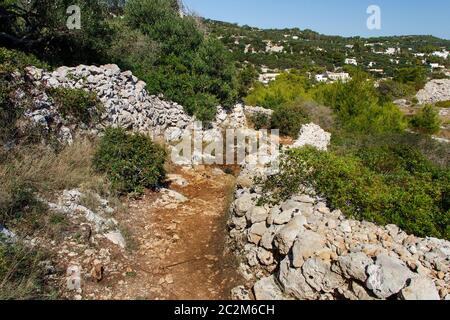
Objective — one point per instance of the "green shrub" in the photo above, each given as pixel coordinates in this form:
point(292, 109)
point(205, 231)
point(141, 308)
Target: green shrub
point(390, 90)
point(21, 274)
point(77, 104)
point(132, 162)
point(443, 104)
point(12, 61)
point(427, 120)
point(289, 119)
point(398, 187)
point(17, 200)
point(414, 76)
point(17, 61)
point(358, 108)
point(183, 64)
point(287, 88)
point(260, 120)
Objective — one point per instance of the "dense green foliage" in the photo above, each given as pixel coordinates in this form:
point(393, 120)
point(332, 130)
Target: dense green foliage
point(12, 62)
point(77, 104)
point(39, 26)
point(390, 90)
point(260, 121)
point(289, 118)
point(173, 56)
point(311, 51)
point(356, 103)
point(21, 273)
point(426, 120)
point(414, 76)
point(384, 185)
point(443, 104)
point(358, 107)
point(132, 162)
point(169, 52)
point(287, 88)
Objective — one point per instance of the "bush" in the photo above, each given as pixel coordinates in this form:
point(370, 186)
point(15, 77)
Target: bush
point(412, 198)
point(77, 104)
point(390, 90)
point(12, 61)
point(132, 162)
point(289, 119)
point(187, 67)
point(443, 104)
point(260, 120)
point(287, 88)
point(427, 120)
point(414, 76)
point(17, 61)
point(21, 274)
point(358, 108)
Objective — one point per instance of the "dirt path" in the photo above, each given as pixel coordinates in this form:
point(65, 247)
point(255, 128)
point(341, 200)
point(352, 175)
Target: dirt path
point(177, 248)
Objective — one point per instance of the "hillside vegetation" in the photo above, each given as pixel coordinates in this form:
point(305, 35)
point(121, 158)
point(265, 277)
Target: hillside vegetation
point(382, 166)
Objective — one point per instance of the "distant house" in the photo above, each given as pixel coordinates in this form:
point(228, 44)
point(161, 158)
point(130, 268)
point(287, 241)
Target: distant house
point(436, 66)
point(321, 78)
point(441, 54)
point(273, 47)
point(295, 37)
point(332, 76)
point(338, 76)
point(266, 78)
point(371, 64)
point(392, 51)
point(380, 71)
point(349, 46)
point(351, 61)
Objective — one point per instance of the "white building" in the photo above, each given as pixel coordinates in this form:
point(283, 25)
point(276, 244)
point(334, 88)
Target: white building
point(349, 46)
point(436, 66)
point(338, 76)
point(351, 61)
point(332, 76)
point(295, 37)
point(441, 54)
point(392, 51)
point(266, 78)
point(273, 47)
point(321, 78)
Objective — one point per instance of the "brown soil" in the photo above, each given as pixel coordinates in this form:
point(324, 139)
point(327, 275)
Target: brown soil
point(177, 250)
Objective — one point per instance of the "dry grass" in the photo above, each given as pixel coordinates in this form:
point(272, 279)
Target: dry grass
point(28, 171)
point(49, 171)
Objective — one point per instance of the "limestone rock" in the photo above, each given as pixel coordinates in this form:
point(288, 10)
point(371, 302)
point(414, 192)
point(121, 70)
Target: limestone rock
point(286, 236)
point(293, 282)
point(313, 135)
point(387, 277)
point(307, 244)
point(420, 288)
point(268, 289)
point(319, 276)
point(354, 265)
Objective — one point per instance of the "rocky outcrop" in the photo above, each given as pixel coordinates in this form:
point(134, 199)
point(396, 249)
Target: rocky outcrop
point(127, 103)
point(302, 249)
point(313, 135)
point(435, 91)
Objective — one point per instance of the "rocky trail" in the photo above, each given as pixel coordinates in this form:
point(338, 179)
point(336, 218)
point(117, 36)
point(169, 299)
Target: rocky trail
point(176, 242)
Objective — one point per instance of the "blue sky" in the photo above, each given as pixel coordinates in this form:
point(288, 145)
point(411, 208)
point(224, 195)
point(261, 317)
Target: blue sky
point(332, 17)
